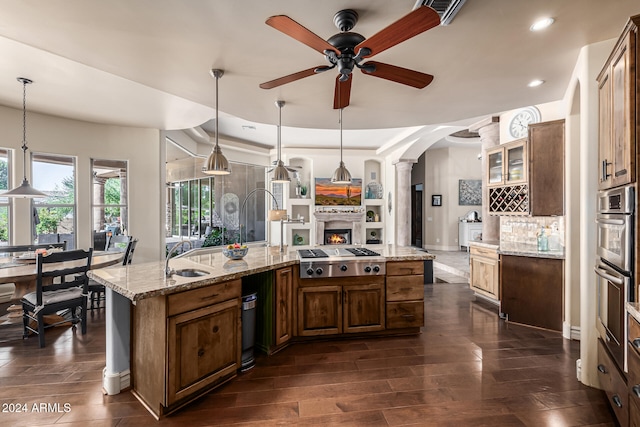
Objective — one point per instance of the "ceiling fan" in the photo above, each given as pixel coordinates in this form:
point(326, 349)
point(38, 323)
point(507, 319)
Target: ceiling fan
point(347, 50)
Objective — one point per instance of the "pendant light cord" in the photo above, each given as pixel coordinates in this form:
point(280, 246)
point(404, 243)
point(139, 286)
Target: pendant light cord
point(341, 136)
point(24, 126)
point(217, 76)
point(279, 129)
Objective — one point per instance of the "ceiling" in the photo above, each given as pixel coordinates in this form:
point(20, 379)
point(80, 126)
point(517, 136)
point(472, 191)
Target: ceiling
point(146, 63)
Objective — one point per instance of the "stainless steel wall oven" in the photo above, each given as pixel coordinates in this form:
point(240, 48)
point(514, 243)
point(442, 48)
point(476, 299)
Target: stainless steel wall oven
point(614, 267)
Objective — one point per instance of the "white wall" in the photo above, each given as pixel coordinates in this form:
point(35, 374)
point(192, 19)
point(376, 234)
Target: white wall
point(444, 167)
point(142, 149)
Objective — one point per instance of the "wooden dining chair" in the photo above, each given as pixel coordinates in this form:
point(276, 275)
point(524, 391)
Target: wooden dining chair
point(96, 289)
point(61, 284)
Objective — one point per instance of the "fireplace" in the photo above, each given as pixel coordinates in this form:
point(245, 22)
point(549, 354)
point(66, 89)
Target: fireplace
point(337, 236)
point(339, 220)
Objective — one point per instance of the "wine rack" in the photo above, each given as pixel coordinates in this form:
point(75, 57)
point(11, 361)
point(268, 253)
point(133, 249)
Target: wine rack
point(509, 200)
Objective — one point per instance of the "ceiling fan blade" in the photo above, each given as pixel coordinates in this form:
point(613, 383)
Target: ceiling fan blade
point(412, 24)
point(400, 75)
point(288, 79)
point(342, 92)
point(291, 28)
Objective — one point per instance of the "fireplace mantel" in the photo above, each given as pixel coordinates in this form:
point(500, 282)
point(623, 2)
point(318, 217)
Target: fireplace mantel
point(352, 220)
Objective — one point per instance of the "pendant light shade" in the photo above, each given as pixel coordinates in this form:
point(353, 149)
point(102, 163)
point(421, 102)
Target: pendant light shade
point(24, 190)
point(216, 163)
point(280, 172)
point(341, 175)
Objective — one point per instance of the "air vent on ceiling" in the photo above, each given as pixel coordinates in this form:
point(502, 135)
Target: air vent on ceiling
point(447, 9)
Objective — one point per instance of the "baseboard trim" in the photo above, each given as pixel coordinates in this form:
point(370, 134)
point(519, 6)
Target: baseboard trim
point(116, 382)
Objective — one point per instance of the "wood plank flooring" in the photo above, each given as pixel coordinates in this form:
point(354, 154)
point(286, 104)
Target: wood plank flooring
point(468, 368)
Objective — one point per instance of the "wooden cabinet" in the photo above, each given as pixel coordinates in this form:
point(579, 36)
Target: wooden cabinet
point(614, 384)
point(618, 102)
point(335, 306)
point(484, 271)
point(633, 361)
point(531, 290)
point(507, 163)
point(184, 344)
point(535, 187)
point(405, 294)
point(283, 318)
point(546, 168)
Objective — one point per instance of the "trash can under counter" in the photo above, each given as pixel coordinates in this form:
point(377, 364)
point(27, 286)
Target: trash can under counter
point(249, 303)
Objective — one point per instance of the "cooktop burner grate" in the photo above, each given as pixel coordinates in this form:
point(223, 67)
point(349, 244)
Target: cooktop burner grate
point(362, 252)
point(312, 253)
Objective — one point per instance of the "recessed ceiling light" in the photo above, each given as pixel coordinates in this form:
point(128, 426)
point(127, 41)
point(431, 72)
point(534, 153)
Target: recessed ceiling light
point(535, 83)
point(542, 24)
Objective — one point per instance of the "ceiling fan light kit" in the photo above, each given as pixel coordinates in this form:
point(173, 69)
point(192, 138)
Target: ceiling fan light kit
point(347, 50)
point(25, 190)
point(280, 173)
point(341, 174)
point(216, 163)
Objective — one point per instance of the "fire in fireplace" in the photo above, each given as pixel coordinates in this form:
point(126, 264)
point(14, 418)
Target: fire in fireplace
point(337, 237)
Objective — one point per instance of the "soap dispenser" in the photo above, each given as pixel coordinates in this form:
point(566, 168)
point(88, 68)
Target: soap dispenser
point(543, 241)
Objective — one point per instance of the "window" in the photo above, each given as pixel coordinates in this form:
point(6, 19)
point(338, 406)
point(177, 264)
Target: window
point(54, 216)
point(4, 201)
point(109, 211)
point(202, 206)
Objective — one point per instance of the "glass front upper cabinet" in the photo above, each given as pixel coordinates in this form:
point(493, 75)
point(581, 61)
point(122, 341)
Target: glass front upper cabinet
point(507, 164)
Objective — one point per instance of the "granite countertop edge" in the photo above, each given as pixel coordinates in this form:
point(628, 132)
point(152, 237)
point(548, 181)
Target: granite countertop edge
point(146, 280)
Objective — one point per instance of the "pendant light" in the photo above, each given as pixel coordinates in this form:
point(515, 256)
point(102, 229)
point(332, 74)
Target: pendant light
point(280, 173)
point(216, 163)
point(24, 190)
point(341, 175)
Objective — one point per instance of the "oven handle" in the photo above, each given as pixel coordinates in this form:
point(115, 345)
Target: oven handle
point(609, 221)
point(604, 274)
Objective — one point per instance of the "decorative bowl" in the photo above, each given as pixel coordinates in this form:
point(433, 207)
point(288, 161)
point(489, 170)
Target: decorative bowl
point(235, 253)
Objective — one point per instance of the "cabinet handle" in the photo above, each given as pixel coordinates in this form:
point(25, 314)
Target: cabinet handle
point(211, 296)
point(408, 316)
point(602, 369)
point(617, 401)
point(636, 343)
point(605, 165)
point(636, 390)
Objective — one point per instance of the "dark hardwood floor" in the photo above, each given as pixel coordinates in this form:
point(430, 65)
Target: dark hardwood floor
point(468, 368)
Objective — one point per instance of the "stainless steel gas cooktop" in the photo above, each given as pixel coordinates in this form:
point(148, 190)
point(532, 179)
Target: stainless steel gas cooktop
point(340, 262)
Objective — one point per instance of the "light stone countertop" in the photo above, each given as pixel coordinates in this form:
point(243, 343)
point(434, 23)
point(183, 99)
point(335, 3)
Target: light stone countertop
point(519, 249)
point(147, 280)
point(633, 308)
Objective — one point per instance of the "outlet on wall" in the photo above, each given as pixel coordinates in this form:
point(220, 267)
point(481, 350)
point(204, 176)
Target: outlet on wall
point(437, 240)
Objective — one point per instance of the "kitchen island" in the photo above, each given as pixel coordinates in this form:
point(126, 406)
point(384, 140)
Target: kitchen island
point(172, 339)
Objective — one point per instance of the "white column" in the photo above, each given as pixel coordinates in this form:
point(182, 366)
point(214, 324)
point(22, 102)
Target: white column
point(116, 376)
point(403, 202)
point(489, 131)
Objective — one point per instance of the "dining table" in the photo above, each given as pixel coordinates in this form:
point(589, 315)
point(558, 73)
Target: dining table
point(23, 275)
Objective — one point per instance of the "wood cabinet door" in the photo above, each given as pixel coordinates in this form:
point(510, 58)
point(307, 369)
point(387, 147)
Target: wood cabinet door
point(515, 165)
point(484, 275)
point(546, 168)
point(623, 114)
point(495, 166)
point(284, 305)
point(204, 348)
point(605, 158)
point(531, 290)
point(319, 310)
point(364, 308)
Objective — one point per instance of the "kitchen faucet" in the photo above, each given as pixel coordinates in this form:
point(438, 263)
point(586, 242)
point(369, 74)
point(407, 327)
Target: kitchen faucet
point(168, 271)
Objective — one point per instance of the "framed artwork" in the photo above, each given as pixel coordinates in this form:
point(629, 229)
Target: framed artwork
point(330, 194)
point(436, 200)
point(470, 192)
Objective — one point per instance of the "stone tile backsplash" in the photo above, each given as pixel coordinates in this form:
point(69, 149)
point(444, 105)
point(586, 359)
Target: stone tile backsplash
point(524, 230)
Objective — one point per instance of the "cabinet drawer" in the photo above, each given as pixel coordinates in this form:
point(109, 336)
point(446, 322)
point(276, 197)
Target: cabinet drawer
point(405, 268)
point(634, 375)
point(613, 384)
point(634, 333)
point(483, 252)
point(404, 288)
point(202, 297)
point(634, 413)
point(405, 314)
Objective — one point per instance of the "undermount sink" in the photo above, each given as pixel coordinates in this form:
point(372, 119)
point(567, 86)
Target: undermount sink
point(191, 272)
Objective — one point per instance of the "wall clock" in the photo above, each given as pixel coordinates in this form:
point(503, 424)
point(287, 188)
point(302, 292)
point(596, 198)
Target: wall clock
point(519, 124)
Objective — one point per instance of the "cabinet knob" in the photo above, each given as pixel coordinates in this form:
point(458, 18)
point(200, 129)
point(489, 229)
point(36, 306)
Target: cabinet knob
point(617, 401)
point(602, 369)
point(636, 390)
point(636, 343)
